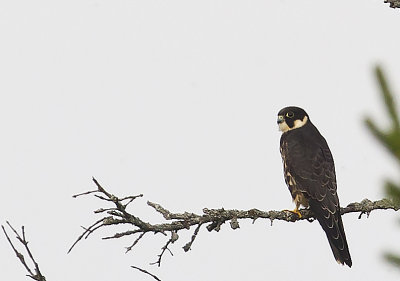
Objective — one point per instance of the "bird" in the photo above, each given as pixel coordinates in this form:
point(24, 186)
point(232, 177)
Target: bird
point(309, 172)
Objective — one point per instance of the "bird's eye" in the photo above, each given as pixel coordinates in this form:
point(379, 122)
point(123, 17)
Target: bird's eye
point(290, 114)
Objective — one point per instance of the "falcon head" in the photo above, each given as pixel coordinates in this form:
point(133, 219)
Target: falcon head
point(290, 118)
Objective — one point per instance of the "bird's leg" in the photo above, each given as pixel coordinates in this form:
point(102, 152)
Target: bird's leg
point(295, 211)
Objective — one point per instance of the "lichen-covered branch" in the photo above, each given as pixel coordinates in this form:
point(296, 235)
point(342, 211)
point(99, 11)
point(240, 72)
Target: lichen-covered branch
point(393, 3)
point(212, 219)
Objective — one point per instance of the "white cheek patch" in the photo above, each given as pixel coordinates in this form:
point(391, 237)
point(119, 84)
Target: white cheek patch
point(300, 123)
point(297, 124)
point(283, 127)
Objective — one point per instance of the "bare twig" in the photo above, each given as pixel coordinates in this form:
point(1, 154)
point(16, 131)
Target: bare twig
point(38, 275)
point(84, 193)
point(145, 271)
point(87, 232)
point(135, 242)
point(173, 238)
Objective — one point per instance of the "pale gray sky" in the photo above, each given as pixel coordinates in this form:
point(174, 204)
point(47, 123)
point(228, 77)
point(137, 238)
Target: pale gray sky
point(178, 100)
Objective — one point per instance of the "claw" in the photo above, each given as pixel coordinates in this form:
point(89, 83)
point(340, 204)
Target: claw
point(295, 211)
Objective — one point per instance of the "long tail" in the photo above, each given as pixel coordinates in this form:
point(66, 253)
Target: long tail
point(338, 244)
point(333, 226)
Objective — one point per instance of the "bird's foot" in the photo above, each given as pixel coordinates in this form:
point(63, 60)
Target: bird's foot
point(295, 211)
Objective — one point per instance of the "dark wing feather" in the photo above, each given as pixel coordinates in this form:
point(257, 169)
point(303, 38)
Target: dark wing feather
point(308, 159)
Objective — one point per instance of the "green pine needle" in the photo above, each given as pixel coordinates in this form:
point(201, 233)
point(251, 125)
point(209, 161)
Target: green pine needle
point(388, 98)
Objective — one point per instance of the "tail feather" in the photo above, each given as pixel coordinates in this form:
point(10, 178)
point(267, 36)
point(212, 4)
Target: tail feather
point(339, 246)
point(333, 227)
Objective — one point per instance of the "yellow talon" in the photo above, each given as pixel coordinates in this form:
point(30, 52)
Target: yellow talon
point(295, 211)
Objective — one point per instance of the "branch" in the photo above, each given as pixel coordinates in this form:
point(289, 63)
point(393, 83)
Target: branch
point(393, 3)
point(212, 218)
point(146, 272)
point(38, 275)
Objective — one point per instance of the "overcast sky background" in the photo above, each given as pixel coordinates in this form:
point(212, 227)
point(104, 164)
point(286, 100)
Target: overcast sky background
point(178, 100)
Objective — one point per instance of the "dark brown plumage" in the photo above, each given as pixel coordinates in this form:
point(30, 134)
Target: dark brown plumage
point(310, 175)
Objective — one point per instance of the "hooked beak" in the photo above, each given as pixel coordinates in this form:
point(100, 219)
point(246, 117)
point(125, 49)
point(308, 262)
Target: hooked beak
point(280, 119)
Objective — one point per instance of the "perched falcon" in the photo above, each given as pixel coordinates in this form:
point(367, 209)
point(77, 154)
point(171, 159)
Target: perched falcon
point(310, 175)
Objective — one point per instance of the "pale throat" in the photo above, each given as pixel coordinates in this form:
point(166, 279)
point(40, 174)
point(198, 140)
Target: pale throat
point(297, 124)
